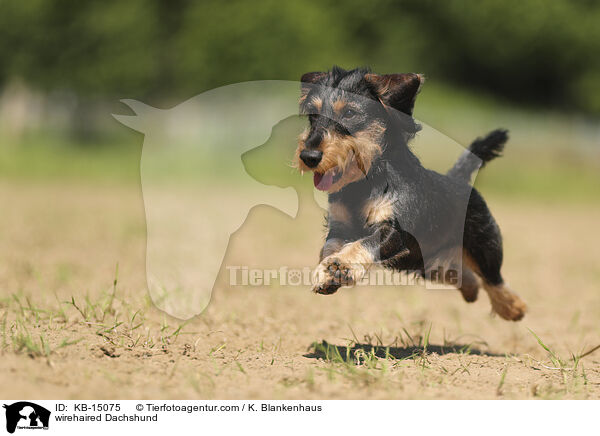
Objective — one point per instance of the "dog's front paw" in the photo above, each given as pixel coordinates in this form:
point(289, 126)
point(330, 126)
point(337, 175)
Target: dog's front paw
point(330, 275)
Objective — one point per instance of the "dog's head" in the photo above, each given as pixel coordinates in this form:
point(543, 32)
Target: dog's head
point(349, 112)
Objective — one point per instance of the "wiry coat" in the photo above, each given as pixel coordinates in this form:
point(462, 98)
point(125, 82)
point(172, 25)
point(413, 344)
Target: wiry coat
point(384, 206)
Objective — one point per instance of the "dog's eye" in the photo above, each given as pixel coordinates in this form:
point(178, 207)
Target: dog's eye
point(348, 113)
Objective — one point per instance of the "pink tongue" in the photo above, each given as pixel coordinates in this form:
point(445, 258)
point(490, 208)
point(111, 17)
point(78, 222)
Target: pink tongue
point(323, 182)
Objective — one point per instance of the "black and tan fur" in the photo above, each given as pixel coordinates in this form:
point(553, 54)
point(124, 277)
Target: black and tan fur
point(384, 207)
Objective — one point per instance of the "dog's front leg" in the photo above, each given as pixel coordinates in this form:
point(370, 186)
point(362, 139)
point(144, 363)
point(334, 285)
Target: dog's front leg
point(341, 230)
point(348, 265)
point(331, 246)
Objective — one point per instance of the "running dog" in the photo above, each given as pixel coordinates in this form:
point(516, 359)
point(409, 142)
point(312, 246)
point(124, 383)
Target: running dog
point(385, 208)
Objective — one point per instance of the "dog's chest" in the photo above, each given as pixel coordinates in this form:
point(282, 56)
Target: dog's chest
point(361, 213)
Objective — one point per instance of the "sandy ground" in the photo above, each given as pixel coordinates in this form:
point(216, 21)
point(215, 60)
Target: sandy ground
point(69, 332)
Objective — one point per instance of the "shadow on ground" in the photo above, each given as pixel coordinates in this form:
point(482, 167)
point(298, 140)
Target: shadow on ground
point(326, 351)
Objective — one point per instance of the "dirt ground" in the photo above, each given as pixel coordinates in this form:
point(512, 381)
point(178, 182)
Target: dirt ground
point(68, 331)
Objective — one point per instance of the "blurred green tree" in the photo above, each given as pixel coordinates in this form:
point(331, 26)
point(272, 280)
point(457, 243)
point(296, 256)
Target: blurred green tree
point(530, 51)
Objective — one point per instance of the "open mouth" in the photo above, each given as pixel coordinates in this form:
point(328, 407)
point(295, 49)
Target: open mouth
point(324, 182)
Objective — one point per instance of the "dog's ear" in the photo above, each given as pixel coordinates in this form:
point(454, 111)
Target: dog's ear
point(397, 90)
point(313, 77)
point(307, 80)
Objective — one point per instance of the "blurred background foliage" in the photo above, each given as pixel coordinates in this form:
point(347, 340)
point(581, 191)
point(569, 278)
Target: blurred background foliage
point(528, 65)
point(530, 51)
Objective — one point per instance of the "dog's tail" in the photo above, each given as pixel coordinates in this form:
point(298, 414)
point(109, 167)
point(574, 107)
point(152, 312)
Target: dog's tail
point(480, 152)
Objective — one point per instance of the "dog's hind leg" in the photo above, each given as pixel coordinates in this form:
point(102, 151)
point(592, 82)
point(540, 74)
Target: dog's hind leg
point(469, 287)
point(483, 254)
point(468, 284)
point(505, 302)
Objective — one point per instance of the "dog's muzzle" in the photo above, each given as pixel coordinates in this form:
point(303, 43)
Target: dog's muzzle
point(311, 157)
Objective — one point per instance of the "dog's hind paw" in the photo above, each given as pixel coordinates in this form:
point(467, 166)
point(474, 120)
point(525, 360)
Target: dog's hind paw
point(470, 294)
point(506, 303)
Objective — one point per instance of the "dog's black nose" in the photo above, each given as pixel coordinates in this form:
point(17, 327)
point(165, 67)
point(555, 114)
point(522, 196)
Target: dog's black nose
point(311, 157)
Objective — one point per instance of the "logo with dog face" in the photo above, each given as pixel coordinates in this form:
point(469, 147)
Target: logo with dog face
point(25, 415)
